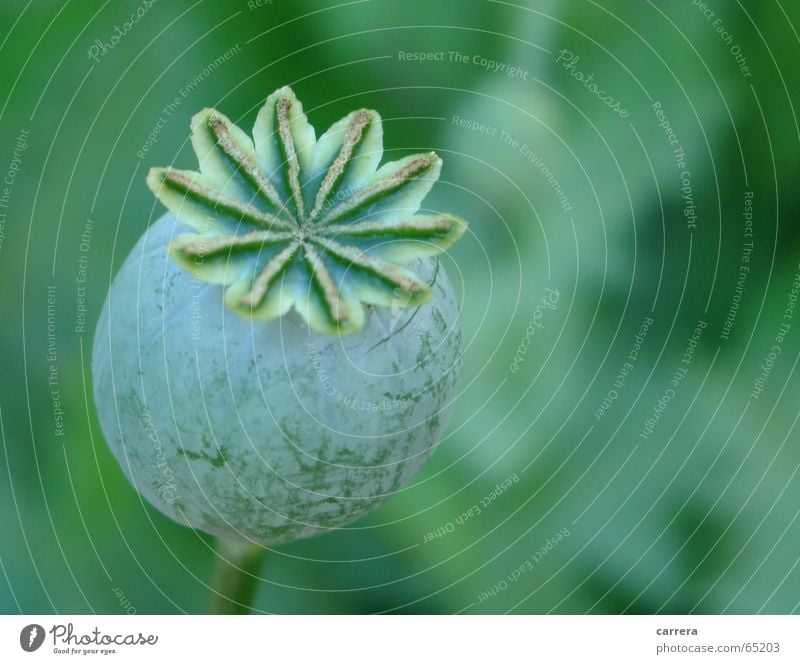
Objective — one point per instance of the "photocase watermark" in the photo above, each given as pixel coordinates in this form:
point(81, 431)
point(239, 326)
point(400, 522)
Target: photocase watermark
point(542, 167)
point(677, 380)
point(14, 167)
point(476, 126)
point(168, 490)
point(480, 127)
point(124, 602)
point(81, 276)
point(346, 400)
point(548, 301)
point(744, 267)
point(196, 288)
point(101, 48)
point(489, 64)
point(471, 59)
point(422, 56)
point(171, 108)
point(339, 197)
point(665, 124)
point(526, 566)
point(152, 137)
point(725, 35)
point(785, 326)
point(569, 61)
point(51, 358)
point(197, 285)
point(473, 511)
point(197, 312)
point(625, 370)
point(679, 155)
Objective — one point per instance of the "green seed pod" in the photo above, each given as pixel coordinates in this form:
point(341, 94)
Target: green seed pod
point(322, 380)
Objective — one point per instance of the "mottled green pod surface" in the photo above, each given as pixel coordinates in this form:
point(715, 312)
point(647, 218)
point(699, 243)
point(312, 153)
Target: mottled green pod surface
point(266, 431)
point(322, 380)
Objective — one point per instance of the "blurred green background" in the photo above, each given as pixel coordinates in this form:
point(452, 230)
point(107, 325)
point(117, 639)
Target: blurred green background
point(562, 192)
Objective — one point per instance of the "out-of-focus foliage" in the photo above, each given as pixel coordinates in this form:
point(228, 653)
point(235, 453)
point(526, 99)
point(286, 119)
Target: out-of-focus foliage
point(699, 515)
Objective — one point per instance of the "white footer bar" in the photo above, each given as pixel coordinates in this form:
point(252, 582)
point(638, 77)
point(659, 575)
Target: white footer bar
point(400, 639)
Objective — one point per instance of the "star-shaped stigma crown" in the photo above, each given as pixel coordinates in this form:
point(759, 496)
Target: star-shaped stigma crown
point(288, 220)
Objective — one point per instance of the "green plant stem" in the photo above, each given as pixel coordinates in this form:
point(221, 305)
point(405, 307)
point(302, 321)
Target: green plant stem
point(235, 577)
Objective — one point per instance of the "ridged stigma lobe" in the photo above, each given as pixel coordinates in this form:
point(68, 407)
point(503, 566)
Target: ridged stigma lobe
point(326, 257)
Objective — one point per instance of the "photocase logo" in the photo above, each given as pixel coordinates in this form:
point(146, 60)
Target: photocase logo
point(31, 637)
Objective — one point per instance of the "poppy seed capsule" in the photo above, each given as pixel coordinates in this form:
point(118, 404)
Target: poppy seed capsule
point(323, 379)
